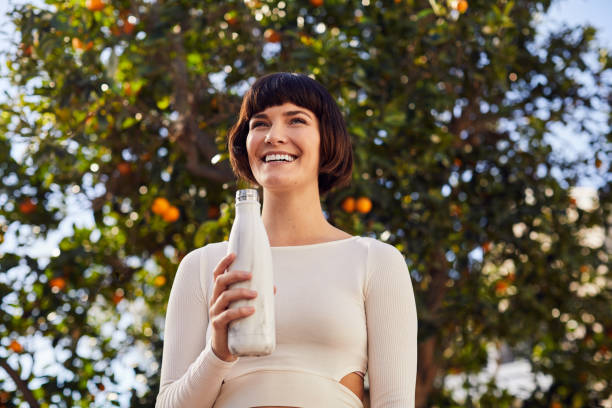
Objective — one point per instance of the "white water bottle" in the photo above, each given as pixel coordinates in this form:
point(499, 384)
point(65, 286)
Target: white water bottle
point(254, 335)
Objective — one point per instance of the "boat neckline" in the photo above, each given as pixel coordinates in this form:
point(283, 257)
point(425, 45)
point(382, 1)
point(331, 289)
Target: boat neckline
point(337, 241)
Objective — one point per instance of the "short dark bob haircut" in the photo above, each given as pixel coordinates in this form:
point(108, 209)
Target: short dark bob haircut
point(335, 153)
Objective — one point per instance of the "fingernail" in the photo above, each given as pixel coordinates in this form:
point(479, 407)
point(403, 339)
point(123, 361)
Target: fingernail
point(247, 309)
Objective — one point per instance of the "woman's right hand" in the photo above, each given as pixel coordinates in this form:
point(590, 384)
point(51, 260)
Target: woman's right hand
point(219, 313)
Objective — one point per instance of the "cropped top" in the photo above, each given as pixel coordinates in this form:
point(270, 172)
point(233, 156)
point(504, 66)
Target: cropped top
point(341, 306)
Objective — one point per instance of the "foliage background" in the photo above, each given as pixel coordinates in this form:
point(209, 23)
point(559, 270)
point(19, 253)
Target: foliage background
point(449, 114)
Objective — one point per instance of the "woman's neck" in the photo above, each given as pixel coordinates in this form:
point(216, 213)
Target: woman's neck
point(295, 218)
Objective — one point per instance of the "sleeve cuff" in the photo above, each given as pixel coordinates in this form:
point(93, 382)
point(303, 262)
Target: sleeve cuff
point(211, 358)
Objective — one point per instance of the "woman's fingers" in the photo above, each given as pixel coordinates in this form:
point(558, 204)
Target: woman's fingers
point(229, 296)
point(221, 321)
point(222, 283)
point(223, 264)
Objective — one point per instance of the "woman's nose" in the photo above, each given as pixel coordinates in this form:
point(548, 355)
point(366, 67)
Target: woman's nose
point(275, 135)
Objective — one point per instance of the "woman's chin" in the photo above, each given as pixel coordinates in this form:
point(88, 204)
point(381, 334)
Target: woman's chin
point(278, 185)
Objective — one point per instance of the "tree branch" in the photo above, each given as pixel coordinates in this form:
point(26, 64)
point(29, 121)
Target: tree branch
point(186, 131)
point(427, 370)
point(21, 385)
point(429, 365)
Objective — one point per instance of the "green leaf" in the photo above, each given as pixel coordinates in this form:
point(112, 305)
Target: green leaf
point(128, 122)
point(163, 103)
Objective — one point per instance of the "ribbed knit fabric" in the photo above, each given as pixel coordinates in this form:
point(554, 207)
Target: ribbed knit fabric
point(341, 306)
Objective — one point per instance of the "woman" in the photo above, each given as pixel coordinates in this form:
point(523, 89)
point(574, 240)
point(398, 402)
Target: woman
point(344, 303)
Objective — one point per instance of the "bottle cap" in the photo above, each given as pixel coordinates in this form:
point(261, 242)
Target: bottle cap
point(247, 194)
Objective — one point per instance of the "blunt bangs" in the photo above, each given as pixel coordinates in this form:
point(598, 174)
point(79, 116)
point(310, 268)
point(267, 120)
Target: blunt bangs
point(278, 89)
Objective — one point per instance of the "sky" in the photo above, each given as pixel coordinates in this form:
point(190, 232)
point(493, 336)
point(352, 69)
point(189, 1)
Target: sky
point(515, 376)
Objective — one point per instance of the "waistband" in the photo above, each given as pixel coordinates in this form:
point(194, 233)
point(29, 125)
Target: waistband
point(285, 388)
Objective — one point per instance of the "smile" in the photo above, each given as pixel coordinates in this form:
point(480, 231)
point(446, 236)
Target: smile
point(279, 158)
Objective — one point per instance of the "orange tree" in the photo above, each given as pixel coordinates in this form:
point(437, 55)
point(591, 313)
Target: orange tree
point(125, 105)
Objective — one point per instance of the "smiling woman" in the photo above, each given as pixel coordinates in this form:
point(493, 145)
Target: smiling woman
point(307, 107)
point(344, 305)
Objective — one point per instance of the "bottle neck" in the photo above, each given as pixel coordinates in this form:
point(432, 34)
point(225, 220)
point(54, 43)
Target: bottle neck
point(248, 206)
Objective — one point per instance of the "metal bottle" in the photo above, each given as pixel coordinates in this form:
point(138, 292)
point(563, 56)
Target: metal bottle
point(254, 335)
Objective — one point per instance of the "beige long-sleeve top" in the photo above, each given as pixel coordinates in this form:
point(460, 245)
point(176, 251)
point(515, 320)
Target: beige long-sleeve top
point(341, 306)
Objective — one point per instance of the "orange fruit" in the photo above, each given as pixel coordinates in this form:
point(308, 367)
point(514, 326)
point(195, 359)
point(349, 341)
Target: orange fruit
point(363, 205)
point(462, 6)
point(25, 50)
point(77, 44)
point(4, 397)
point(231, 17)
point(160, 205)
point(457, 162)
point(171, 214)
point(254, 4)
point(128, 27)
point(501, 286)
point(124, 168)
point(27, 206)
point(159, 280)
point(348, 204)
point(455, 210)
point(306, 39)
point(118, 296)
point(16, 346)
point(213, 211)
point(272, 36)
point(94, 5)
point(59, 283)
point(316, 3)
point(555, 404)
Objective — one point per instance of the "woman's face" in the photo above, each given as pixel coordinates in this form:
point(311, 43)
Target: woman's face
point(285, 129)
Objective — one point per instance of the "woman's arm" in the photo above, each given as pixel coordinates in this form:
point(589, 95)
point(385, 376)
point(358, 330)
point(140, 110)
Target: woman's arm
point(191, 373)
point(391, 319)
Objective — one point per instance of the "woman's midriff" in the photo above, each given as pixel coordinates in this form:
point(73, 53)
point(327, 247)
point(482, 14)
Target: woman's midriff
point(352, 381)
point(290, 388)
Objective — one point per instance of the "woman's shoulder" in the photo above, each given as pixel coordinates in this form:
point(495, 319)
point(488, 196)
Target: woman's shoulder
point(195, 265)
point(385, 261)
point(199, 259)
point(380, 249)
point(212, 249)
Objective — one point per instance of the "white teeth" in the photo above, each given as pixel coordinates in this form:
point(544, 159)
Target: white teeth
point(277, 157)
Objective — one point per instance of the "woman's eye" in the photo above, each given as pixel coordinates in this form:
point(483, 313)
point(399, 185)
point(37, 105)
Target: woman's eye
point(257, 124)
